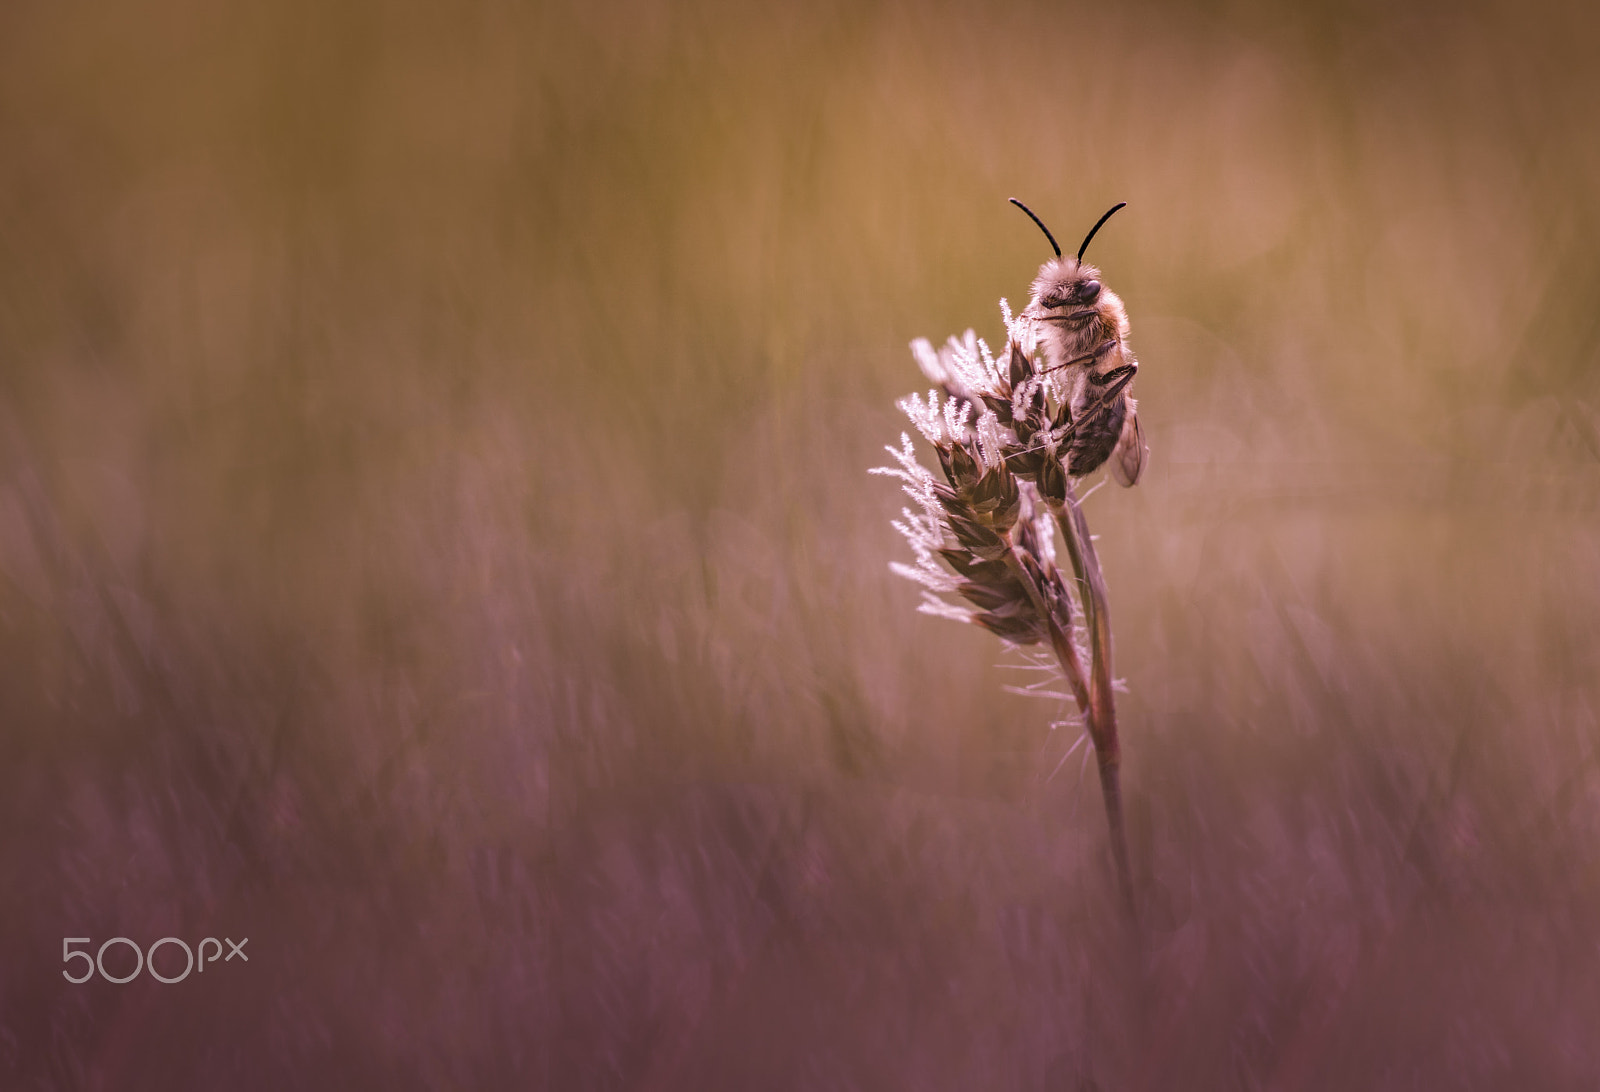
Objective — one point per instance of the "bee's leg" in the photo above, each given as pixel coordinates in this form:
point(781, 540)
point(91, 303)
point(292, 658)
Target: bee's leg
point(1087, 358)
point(1114, 382)
point(1116, 379)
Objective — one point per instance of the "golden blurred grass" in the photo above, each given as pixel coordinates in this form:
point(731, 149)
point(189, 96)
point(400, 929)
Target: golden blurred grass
point(435, 542)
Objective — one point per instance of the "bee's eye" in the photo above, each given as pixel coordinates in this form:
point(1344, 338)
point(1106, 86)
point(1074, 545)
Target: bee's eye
point(1088, 291)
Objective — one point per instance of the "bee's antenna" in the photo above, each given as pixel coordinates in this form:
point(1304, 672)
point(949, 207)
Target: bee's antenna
point(1086, 238)
point(1053, 244)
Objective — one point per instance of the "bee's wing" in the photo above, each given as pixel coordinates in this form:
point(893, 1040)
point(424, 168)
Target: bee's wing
point(1128, 459)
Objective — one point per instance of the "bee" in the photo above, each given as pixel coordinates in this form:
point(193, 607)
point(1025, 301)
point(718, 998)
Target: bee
point(1081, 329)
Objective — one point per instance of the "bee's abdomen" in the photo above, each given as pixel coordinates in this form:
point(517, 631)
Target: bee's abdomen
point(1097, 434)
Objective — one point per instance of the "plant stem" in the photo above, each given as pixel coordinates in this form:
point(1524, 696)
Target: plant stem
point(1099, 704)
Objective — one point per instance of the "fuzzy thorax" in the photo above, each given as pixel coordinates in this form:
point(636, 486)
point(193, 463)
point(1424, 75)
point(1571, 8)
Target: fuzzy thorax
point(1073, 312)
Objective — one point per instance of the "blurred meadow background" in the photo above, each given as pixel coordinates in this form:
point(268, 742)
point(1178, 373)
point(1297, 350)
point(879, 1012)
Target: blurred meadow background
point(436, 544)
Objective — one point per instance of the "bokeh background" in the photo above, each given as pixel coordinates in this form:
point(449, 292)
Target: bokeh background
point(436, 544)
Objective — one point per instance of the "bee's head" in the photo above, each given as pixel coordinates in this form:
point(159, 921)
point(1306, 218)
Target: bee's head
point(1066, 283)
point(1068, 291)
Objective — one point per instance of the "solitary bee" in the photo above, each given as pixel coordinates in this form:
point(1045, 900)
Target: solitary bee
point(1082, 330)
